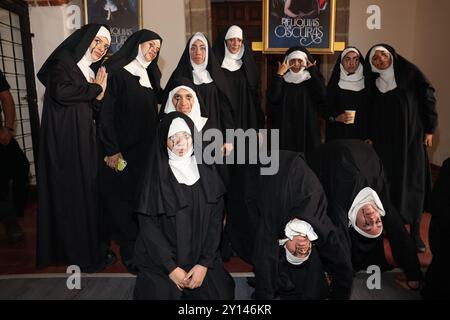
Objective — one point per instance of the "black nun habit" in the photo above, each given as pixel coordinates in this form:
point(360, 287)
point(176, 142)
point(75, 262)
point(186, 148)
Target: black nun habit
point(296, 107)
point(243, 83)
point(128, 120)
point(437, 284)
point(348, 92)
point(215, 94)
point(401, 115)
point(345, 167)
point(180, 226)
point(68, 226)
point(295, 192)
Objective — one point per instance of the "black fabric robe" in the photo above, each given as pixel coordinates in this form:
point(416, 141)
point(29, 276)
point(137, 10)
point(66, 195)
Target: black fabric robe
point(344, 168)
point(295, 192)
point(437, 284)
point(68, 227)
point(215, 95)
point(296, 109)
point(180, 227)
point(399, 120)
point(128, 120)
point(339, 100)
point(244, 87)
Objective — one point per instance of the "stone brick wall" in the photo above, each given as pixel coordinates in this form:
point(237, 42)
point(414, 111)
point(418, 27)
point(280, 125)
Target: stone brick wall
point(198, 17)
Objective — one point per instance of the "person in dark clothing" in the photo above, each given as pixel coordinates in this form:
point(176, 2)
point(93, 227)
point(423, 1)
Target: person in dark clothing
point(128, 120)
point(68, 217)
point(199, 64)
point(437, 284)
point(403, 120)
point(296, 98)
point(352, 176)
point(242, 76)
point(292, 204)
point(183, 97)
point(14, 168)
point(348, 90)
point(180, 206)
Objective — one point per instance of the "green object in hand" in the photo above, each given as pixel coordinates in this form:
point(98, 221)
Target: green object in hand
point(121, 164)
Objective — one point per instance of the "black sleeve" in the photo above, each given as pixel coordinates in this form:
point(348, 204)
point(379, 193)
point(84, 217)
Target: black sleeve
point(440, 201)
point(427, 104)
point(4, 85)
point(226, 112)
point(107, 132)
point(213, 237)
point(65, 91)
point(275, 92)
point(265, 258)
point(318, 91)
point(403, 248)
point(156, 243)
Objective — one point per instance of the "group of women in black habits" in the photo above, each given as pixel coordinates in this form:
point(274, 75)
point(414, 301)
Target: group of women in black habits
point(114, 166)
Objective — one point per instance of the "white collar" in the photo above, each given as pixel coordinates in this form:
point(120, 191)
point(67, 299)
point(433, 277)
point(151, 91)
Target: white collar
point(195, 113)
point(138, 67)
point(200, 73)
point(233, 61)
point(294, 228)
point(184, 168)
point(85, 65)
point(365, 196)
point(386, 81)
point(301, 76)
point(355, 81)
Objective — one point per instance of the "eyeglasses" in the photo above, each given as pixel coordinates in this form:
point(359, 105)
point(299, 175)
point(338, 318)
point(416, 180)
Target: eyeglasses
point(178, 137)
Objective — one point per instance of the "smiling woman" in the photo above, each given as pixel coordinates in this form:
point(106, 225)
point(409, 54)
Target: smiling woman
point(68, 226)
point(127, 127)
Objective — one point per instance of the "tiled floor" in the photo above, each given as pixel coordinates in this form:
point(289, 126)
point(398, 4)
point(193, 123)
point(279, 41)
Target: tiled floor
point(21, 258)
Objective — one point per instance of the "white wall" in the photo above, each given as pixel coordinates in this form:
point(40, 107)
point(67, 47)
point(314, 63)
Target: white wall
point(418, 30)
point(397, 18)
point(431, 54)
point(48, 26)
point(166, 17)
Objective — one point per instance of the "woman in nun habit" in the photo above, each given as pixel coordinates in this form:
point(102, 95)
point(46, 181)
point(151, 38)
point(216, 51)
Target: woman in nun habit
point(68, 215)
point(296, 97)
point(183, 97)
point(403, 120)
point(242, 75)
point(199, 65)
point(128, 121)
point(352, 176)
point(437, 282)
point(296, 242)
point(180, 210)
point(347, 90)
